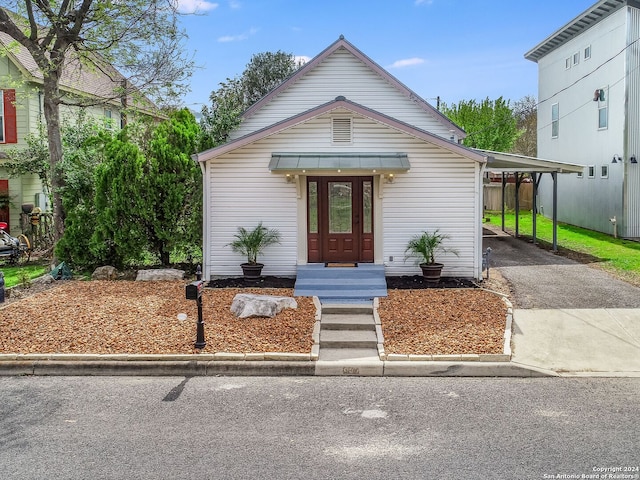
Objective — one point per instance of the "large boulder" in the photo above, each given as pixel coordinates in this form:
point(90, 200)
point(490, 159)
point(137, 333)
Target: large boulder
point(160, 274)
point(104, 273)
point(246, 305)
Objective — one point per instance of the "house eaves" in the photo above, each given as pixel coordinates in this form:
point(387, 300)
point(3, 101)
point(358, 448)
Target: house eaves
point(343, 43)
point(340, 103)
point(582, 22)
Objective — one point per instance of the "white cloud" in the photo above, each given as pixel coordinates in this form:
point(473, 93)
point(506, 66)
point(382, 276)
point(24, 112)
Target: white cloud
point(234, 4)
point(424, 2)
point(194, 6)
point(408, 62)
point(237, 38)
point(302, 59)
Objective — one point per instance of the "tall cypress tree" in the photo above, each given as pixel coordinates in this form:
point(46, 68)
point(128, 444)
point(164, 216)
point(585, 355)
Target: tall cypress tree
point(172, 185)
point(120, 201)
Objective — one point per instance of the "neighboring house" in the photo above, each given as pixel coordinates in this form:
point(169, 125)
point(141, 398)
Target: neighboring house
point(348, 164)
point(589, 113)
point(21, 113)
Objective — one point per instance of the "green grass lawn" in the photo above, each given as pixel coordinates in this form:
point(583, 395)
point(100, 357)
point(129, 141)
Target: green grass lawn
point(16, 275)
point(619, 257)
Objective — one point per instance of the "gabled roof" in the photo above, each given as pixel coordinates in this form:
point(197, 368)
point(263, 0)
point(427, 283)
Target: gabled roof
point(339, 103)
point(342, 43)
point(494, 161)
point(101, 82)
point(582, 22)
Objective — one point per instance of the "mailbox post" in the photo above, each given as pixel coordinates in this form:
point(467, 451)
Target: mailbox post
point(193, 291)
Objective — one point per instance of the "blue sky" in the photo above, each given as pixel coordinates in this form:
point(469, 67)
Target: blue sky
point(455, 49)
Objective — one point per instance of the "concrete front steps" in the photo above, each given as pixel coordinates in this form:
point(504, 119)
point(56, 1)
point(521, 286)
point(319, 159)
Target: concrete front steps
point(348, 285)
point(349, 341)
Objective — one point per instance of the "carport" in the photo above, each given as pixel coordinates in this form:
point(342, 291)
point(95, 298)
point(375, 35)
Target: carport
point(519, 166)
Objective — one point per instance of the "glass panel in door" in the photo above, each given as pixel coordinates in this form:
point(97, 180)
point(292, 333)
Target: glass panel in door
point(340, 207)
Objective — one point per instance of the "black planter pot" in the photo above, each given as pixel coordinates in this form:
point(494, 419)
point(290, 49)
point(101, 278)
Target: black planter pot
point(252, 271)
point(431, 271)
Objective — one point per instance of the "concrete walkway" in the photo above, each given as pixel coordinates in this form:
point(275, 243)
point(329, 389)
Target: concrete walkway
point(568, 317)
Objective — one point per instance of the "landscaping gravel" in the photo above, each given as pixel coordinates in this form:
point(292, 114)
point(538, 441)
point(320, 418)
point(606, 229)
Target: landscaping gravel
point(101, 317)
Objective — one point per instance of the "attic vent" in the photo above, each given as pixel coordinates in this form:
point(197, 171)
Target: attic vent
point(341, 130)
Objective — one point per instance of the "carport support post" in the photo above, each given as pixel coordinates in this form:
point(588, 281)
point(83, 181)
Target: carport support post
point(534, 206)
point(518, 179)
point(504, 187)
point(554, 175)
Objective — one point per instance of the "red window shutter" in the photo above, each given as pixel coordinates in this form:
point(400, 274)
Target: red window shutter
point(10, 123)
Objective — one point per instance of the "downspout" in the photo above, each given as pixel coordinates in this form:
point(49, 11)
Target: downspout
point(205, 219)
point(39, 105)
point(477, 261)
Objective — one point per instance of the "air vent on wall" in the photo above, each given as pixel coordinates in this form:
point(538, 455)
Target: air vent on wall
point(341, 130)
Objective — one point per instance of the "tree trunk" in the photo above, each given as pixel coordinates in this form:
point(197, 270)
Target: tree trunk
point(52, 117)
point(165, 257)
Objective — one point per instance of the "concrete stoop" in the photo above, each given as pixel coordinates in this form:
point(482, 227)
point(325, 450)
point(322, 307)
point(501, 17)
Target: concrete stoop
point(349, 341)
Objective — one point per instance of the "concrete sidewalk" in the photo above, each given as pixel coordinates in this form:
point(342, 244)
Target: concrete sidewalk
point(587, 342)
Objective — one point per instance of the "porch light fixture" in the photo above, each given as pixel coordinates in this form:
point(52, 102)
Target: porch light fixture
point(632, 159)
point(289, 178)
point(616, 158)
point(389, 178)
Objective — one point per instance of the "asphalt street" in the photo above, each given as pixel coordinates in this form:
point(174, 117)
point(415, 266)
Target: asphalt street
point(316, 427)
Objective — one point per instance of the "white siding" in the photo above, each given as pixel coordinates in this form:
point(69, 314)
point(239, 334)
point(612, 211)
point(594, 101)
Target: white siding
point(587, 202)
point(631, 224)
point(440, 192)
point(342, 74)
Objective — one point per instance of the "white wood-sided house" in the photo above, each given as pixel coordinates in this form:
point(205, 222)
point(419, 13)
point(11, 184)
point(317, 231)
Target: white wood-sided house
point(342, 133)
point(21, 114)
point(589, 113)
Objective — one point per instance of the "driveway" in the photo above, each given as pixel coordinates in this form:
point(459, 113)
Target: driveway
point(569, 317)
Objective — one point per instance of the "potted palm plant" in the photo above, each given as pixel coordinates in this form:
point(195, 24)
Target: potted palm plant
point(252, 243)
point(424, 248)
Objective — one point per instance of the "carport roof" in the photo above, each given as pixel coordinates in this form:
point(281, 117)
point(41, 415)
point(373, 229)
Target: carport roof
point(498, 162)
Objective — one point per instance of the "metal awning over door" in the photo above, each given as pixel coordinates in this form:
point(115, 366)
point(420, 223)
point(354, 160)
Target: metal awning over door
point(350, 163)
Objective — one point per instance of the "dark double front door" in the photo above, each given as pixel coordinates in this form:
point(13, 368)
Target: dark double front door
point(340, 219)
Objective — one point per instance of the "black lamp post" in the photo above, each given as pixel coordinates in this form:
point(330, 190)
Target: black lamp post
point(193, 291)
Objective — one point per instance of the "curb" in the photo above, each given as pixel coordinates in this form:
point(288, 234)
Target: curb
point(191, 368)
